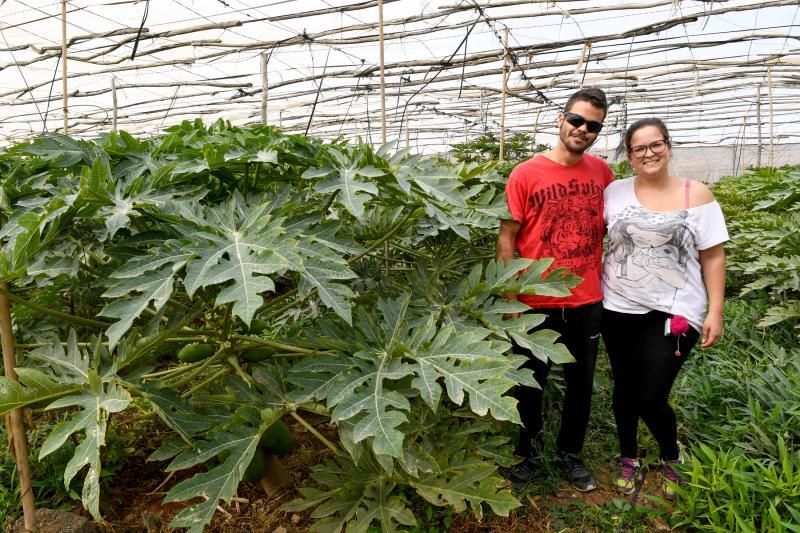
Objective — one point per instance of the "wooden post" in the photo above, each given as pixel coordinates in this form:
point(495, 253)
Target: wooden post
point(503, 97)
point(16, 427)
point(264, 86)
point(758, 118)
point(771, 121)
point(383, 79)
point(64, 62)
point(114, 103)
point(480, 112)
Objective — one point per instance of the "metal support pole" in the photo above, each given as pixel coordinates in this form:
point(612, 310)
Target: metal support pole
point(383, 77)
point(771, 121)
point(64, 62)
point(503, 97)
point(114, 103)
point(758, 118)
point(264, 86)
point(480, 112)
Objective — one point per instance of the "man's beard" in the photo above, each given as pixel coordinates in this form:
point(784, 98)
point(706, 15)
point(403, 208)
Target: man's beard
point(567, 140)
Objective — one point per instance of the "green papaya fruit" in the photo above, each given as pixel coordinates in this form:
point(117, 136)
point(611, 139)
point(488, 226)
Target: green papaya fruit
point(257, 325)
point(277, 439)
point(254, 355)
point(191, 353)
point(256, 469)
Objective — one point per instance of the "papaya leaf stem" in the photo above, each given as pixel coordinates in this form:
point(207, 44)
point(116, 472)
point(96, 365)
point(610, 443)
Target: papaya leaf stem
point(77, 320)
point(205, 383)
point(331, 446)
point(273, 344)
point(383, 239)
point(196, 372)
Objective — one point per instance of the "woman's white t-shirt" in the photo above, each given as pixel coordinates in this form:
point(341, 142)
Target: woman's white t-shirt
point(653, 261)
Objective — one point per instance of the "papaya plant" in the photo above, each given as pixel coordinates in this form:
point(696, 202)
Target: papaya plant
point(226, 277)
point(762, 206)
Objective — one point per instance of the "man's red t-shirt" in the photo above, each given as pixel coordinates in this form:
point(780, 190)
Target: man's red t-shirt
point(560, 209)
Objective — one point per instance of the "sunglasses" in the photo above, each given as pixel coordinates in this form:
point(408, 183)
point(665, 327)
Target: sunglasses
point(576, 121)
point(656, 147)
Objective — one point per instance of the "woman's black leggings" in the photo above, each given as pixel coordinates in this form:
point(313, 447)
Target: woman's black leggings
point(644, 366)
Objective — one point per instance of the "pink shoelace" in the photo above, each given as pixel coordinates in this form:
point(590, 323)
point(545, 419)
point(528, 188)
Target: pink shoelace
point(669, 472)
point(628, 468)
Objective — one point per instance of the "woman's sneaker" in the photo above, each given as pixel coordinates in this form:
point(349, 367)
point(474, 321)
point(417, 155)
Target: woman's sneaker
point(629, 475)
point(669, 479)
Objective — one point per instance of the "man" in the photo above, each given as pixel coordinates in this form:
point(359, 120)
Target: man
point(556, 204)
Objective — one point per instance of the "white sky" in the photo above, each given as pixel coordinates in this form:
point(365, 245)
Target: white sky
point(640, 74)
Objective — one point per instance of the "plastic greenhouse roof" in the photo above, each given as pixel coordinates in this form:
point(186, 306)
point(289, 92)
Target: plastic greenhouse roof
point(717, 72)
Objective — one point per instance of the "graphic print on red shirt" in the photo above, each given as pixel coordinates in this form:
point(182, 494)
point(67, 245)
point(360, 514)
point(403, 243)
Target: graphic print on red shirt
point(560, 210)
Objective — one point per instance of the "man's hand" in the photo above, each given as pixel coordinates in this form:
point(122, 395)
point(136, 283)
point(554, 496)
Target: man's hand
point(513, 298)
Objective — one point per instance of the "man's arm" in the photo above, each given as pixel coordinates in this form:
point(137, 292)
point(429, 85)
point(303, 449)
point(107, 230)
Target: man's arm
point(507, 240)
point(506, 248)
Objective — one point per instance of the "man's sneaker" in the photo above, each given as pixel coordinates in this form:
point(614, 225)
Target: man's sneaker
point(669, 479)
point(524, 472)
point(629, 475)
point(576, 473)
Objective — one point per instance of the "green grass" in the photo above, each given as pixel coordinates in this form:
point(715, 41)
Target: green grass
point(46, 474)
point(739, 404)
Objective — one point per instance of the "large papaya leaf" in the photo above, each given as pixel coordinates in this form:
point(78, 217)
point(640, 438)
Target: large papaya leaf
point(467, 364)
point(240, 248)
point(314, 377)
point(221, 481)
point(356, 499)
point(360, 393)
point(366, 390)
point(176, 412)
point(527, 276)
point(71, 365)
point(33, 386)
point(62, 151)
point(347, 179)
point(95, 404)
point(320, 270)
point(464, 480)
point(22, 236)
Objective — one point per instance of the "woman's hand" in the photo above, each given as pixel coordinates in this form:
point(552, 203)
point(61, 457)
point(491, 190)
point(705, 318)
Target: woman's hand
point(712, 330)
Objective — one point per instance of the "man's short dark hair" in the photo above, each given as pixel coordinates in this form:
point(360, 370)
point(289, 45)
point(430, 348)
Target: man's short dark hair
point(593, 95)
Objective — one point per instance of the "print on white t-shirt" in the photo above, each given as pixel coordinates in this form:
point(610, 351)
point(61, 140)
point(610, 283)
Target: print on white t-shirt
point(652, 259)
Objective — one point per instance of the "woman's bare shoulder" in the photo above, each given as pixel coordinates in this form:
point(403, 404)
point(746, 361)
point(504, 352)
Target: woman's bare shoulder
point(699, 194)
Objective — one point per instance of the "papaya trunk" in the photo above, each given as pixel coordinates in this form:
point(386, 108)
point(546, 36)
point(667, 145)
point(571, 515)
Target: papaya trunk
point(16, 427)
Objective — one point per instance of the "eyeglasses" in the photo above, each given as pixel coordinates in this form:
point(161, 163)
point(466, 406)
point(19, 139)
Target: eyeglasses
point(656, 147)
point(575, 120)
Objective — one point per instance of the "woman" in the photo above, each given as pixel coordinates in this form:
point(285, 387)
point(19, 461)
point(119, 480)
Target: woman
point(663, 284)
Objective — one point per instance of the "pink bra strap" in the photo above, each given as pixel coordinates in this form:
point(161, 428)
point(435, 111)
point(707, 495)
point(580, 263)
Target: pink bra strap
point(686, 193)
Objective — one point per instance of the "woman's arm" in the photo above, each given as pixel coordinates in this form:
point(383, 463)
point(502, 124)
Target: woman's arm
point(713, 262)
